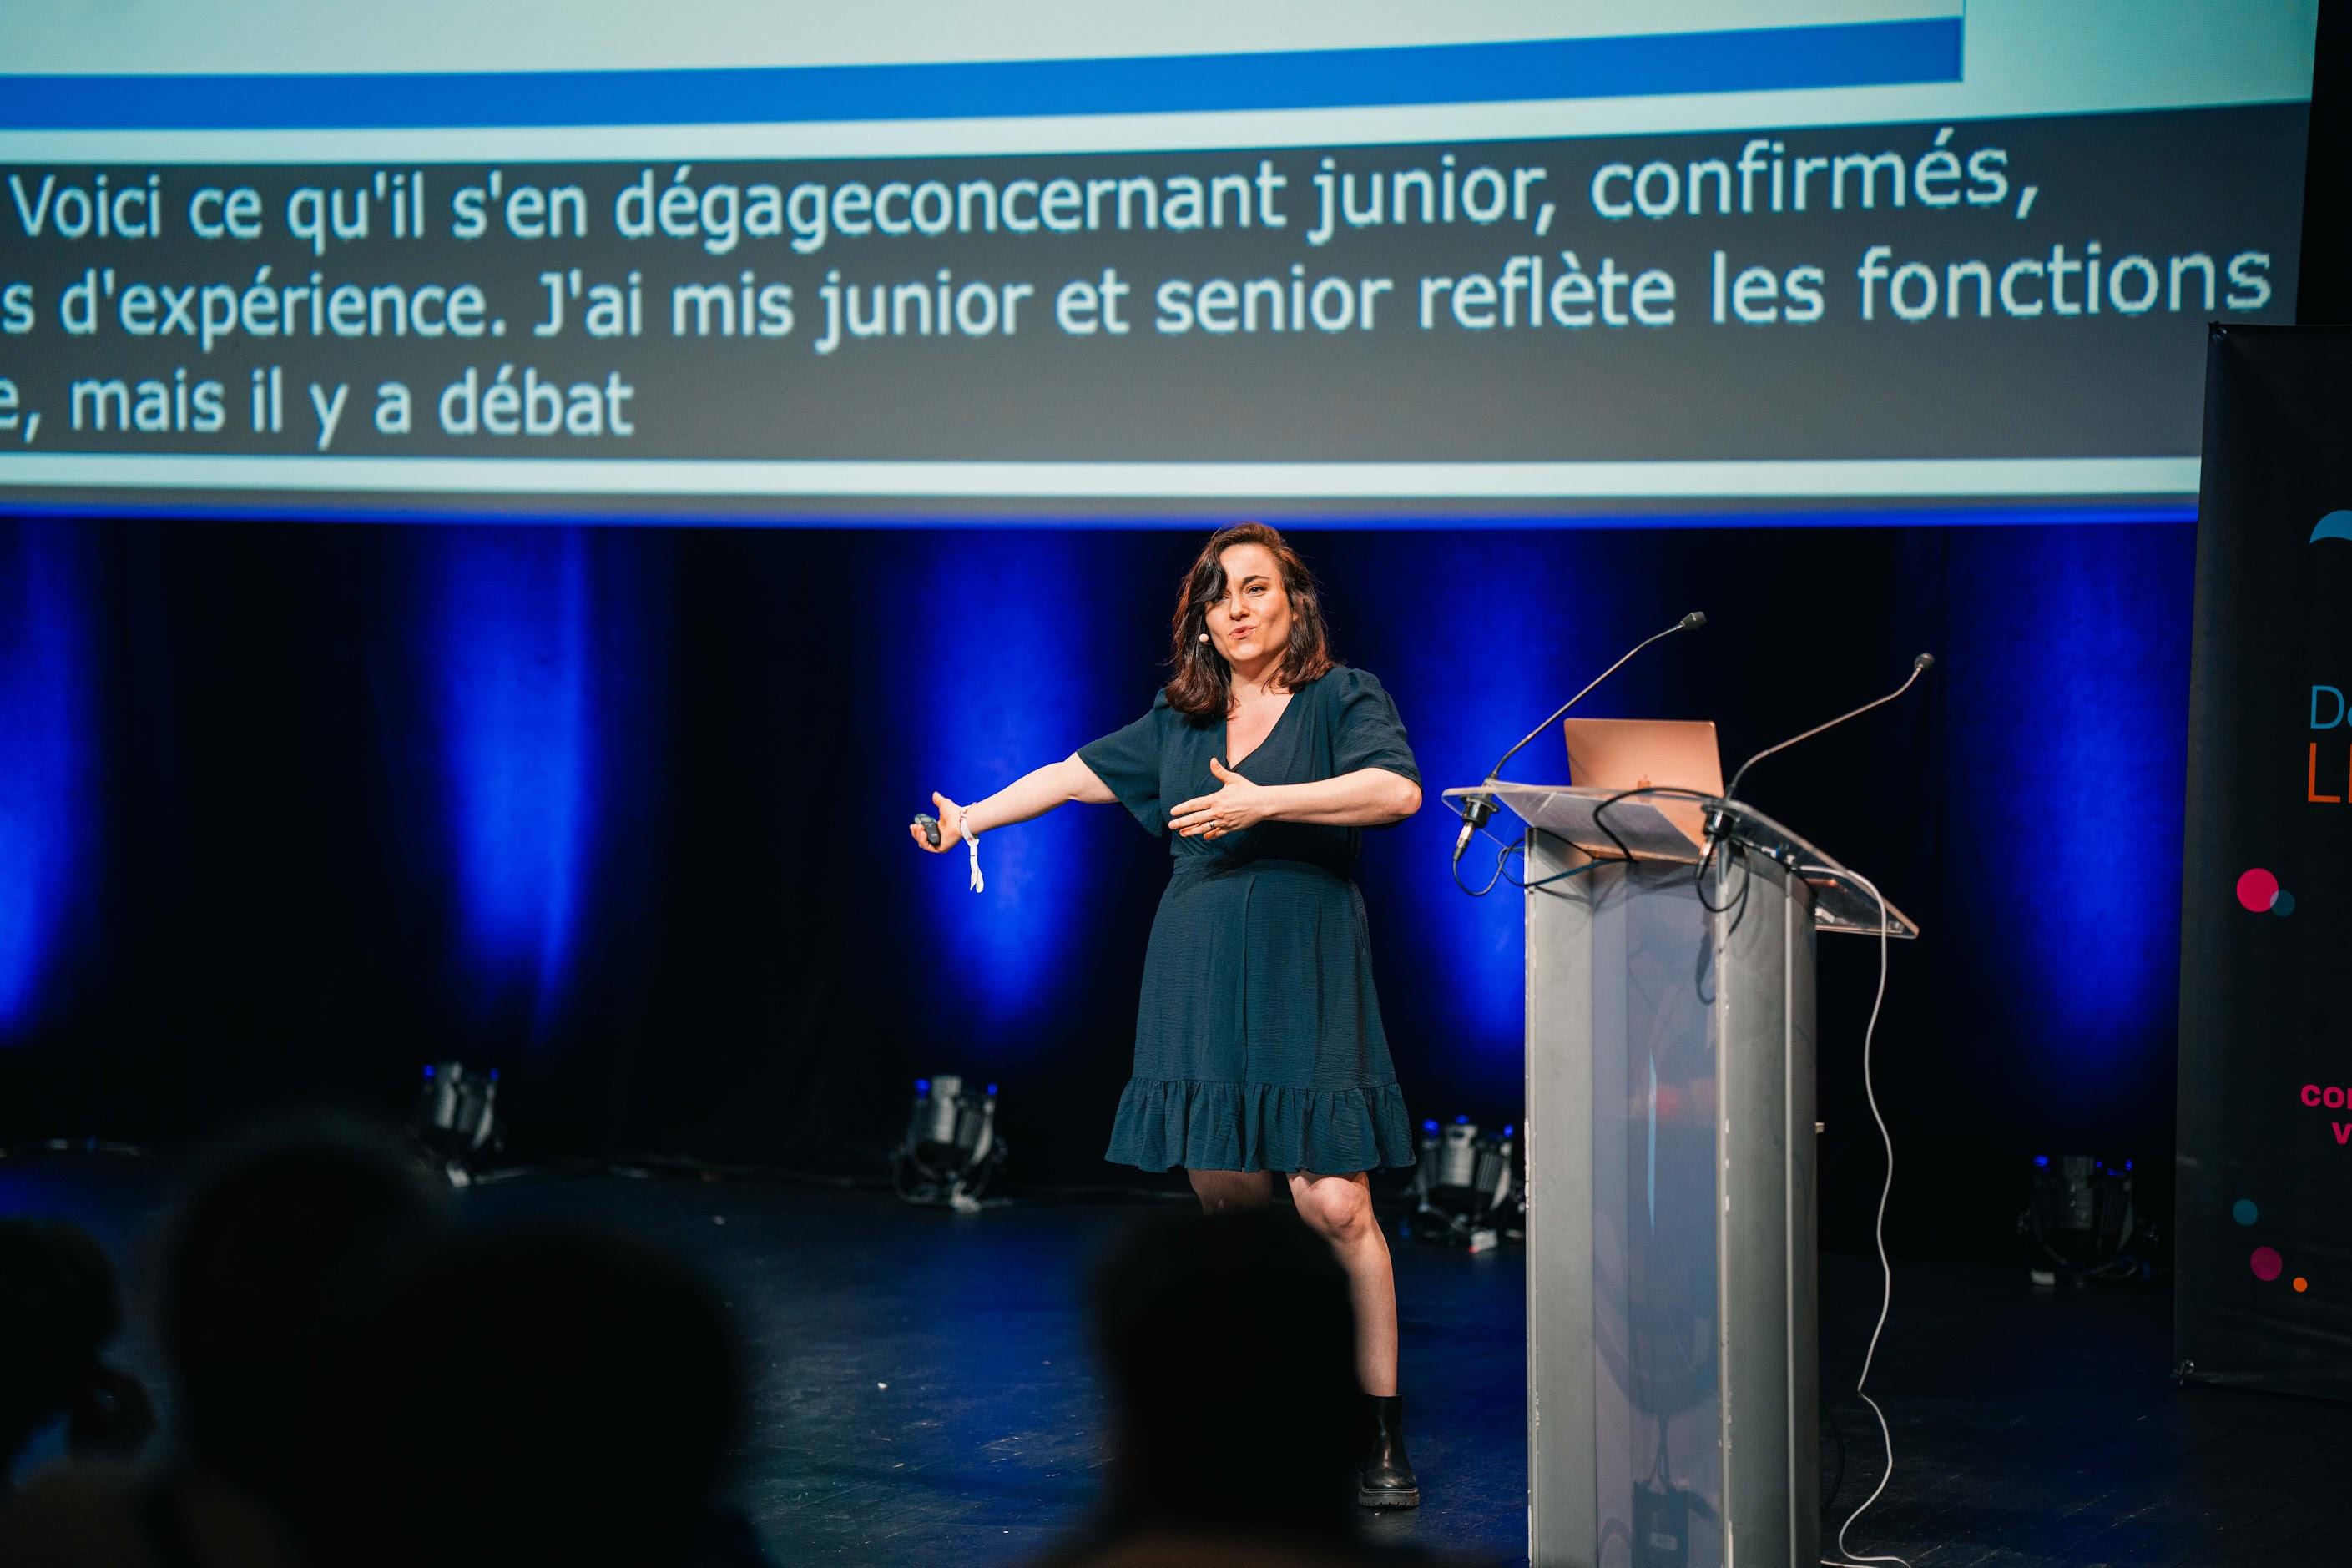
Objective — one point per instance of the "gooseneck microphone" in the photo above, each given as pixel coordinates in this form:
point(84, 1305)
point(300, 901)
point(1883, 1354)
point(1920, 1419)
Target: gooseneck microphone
point(1477, 809)
point(1919, 666)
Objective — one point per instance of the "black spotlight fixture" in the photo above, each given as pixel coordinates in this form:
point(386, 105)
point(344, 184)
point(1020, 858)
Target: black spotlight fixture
point(456, 1125)
point(1463, 1190)
point(952, 1152)
point(2081, 1223)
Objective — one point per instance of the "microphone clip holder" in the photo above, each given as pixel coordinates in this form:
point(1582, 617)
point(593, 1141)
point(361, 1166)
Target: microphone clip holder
point(1717, 820)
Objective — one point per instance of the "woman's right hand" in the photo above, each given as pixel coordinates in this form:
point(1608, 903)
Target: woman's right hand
point(950, 817)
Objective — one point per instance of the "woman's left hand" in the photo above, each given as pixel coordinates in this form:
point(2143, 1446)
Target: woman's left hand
point(1240, 804)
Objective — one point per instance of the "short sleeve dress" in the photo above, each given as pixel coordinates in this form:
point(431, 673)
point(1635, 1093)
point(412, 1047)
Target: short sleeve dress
point(1258, 1044)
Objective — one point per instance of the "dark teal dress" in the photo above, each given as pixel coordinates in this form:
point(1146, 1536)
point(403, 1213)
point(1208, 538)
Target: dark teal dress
point(1258, 1045)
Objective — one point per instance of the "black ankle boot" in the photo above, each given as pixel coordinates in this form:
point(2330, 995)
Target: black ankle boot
point(1384, 1478)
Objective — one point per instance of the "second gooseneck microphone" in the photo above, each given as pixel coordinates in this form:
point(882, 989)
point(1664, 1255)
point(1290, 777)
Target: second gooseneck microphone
point(1919, 666)
point(1476, 810)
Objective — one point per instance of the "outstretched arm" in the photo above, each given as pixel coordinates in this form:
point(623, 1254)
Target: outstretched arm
point(1033, 794)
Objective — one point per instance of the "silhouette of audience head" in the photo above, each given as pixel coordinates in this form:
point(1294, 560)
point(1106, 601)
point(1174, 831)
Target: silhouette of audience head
point(530, 1397)
point(257, 1269)
point(1230, 1346)
point(58, 1307)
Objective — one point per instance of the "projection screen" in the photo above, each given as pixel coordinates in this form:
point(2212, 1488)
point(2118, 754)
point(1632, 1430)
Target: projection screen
point(924, 261)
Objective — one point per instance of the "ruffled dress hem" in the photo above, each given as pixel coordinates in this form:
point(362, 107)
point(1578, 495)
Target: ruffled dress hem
point(1204, 1125)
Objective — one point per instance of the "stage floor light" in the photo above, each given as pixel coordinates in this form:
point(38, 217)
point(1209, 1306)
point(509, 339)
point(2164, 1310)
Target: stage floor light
point(1466, 1190)
point(951, 1154)
point(456, 1125)
point(2082, 1221)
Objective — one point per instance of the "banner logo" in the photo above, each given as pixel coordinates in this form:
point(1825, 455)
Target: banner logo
point(2261, 893)
point(2265, 1262)
point(2336, 525)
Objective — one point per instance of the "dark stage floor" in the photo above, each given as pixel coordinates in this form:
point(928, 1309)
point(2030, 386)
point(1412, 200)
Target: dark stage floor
point(926, 1395)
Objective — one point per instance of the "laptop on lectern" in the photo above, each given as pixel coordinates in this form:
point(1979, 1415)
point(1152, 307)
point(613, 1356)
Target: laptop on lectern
point(1635, 753)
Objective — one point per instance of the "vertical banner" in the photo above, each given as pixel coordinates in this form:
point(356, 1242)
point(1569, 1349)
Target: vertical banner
point(2264, 1298)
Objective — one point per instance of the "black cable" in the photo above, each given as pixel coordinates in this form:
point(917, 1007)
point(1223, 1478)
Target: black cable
point(1746, 883)
point(1600, 814)
point(1599, 811)
point(1506, 846)
point(1543, 881)
point(1739, 852)
point(1599, 820)
point(1681, 790)
point(1519, 846)
point(1489, 887)
point(1737, 907)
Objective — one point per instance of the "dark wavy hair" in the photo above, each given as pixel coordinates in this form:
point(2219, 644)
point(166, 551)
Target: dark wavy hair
point(1203, 686)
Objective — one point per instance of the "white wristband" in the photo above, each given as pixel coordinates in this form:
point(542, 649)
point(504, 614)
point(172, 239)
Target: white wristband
point(971, 842)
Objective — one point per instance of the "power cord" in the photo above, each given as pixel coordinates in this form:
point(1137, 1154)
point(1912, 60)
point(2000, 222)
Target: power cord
point(1847, 1557)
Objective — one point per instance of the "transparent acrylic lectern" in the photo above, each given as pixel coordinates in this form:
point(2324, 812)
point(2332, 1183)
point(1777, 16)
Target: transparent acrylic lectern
point(1673, 1389)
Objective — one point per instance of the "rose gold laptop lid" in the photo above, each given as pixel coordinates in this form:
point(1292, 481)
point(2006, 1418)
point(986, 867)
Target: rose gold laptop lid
point(1635, 753)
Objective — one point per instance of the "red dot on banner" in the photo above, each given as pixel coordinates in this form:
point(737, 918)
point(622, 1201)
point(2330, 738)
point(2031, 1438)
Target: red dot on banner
point(2256, 888)
point(2267, 1263)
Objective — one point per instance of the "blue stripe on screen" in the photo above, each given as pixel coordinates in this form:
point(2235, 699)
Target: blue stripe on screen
point(1858, 53)
point(931, 513)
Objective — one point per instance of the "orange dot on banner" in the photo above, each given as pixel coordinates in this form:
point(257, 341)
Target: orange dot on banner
point(2301, 1283)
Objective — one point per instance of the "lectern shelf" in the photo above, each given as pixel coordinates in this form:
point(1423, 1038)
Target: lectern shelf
point(1570, 813)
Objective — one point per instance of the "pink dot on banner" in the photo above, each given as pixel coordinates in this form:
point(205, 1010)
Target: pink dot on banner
point(2267, 1263)
point(2256, 889)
